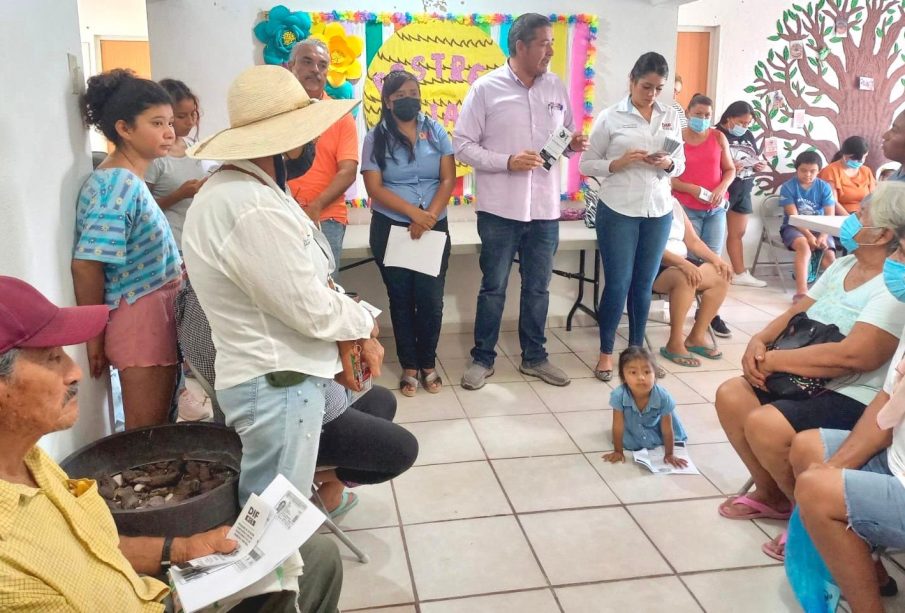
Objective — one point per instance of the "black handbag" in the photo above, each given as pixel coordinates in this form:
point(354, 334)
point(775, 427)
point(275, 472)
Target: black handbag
point(801, 331)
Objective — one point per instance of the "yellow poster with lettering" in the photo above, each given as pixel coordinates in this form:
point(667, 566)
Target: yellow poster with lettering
point(446, 58)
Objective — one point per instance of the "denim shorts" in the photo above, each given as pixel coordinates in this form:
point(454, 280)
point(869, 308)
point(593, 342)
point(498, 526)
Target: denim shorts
point(280, 430)
point(874, 498)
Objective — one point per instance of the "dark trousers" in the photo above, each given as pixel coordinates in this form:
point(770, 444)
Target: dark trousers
point(416, 299)
point(631, 249)
point(535, 242)
point(364, 443)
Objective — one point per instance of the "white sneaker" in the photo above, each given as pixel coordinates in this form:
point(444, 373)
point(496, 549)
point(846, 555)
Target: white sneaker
point(747, 279)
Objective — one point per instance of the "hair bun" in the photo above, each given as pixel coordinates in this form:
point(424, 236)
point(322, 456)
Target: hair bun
point(100, 89)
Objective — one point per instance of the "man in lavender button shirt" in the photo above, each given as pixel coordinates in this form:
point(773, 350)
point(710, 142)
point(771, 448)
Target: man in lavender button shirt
point(507, 117)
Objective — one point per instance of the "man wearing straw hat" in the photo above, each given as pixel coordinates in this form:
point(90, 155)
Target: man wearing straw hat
point(260, 267)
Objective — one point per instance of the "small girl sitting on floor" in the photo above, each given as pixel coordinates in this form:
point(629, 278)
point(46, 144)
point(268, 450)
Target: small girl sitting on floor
point(643, 412)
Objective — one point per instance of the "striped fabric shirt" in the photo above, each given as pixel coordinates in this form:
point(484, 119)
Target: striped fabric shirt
point(119, 224)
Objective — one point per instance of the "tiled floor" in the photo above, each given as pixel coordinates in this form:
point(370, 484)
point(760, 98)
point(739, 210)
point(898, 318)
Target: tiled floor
point(510, 508)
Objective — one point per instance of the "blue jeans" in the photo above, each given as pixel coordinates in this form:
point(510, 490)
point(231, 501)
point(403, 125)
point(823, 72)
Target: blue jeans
point(535, 242)
point(335, 232)
point(280, 430)
point(874, 497)
point(416, 299)
point(631, 249)
point(710, 226)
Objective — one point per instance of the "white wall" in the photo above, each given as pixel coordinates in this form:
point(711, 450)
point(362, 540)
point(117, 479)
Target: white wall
point(186, 34)
point(43, 161)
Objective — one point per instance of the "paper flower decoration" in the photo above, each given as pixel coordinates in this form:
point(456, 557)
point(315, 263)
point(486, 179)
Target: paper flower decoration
point(281, 31)
point(345, 50)
point(343, 92)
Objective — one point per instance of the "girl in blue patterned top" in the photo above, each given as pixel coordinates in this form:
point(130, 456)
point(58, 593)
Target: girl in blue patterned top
point(124, 254)
point(644, 414)
point(409, 172)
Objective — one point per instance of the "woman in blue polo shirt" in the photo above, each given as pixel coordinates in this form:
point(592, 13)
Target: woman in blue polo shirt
point(409, 172)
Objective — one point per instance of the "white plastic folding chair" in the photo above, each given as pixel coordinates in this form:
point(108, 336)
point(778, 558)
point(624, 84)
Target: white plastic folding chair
point(770, 214)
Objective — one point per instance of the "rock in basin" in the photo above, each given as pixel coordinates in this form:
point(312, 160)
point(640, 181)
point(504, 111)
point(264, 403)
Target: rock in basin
point(135, 448)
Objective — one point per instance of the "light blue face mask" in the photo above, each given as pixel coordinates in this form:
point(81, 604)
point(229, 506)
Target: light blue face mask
point(854, 164)
point(850, 227)
point(698, 124)
point(894, 277)
point(738, 131)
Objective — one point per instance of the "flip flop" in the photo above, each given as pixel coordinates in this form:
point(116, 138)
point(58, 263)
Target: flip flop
point(408, 386)
point(687, 360)
point(711, 353)
point(761, 511)
point(346, 504)
point(776, 549)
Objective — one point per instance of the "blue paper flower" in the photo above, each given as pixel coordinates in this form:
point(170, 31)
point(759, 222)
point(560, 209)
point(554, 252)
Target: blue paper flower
point(343, 92)
point(282, 30)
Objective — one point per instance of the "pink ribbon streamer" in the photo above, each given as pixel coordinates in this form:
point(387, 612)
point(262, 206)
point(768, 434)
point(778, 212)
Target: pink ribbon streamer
point(580, 36)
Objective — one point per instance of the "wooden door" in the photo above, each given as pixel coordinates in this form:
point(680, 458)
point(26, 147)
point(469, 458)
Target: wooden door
point(134, 54)
point(692, 63)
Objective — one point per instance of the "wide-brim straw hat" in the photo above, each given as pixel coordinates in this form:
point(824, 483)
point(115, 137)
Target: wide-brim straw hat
point(269, 113)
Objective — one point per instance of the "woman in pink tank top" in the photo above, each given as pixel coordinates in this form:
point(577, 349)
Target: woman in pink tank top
point(701, 189)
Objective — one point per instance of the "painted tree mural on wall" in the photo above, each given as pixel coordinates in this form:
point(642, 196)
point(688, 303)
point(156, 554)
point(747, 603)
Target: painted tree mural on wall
point(823, 51)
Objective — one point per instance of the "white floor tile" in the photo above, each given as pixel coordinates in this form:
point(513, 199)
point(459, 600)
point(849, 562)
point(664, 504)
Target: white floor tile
point(591, 430)
point(535, 601)
point(551, 483)
point(509, 344)
point(706, 383)
point(449, 491)
point(382, 581)
point(633, 483)
point(751, 590)
point(504, 371)
point(376, 508)
point(591, 545)
point(652, 595)
point(425, 406)
point(515, 436)
point(501, 399)
point(580, 395)
point(701, 423)
point(470, 557)
point(442, 442)
point(719, 463)
point(693, 536)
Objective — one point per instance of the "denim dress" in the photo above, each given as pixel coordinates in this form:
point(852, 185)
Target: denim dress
point(642, 428)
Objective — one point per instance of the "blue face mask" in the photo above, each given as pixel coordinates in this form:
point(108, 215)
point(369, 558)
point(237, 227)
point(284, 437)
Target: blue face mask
point(698, 124)
point(738, 131)
point(850, 227)
point(854, 164)
point(894, 276)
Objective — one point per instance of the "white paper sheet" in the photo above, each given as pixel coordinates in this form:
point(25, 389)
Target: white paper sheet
point(424, 255)
point(292, 520)
point(652, 459)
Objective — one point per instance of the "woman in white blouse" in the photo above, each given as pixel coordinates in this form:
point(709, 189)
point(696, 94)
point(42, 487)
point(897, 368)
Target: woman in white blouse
point(635, 148)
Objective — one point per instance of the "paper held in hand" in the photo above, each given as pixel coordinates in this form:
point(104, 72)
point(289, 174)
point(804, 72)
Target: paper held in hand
point(269, 532)
point(556, 145)
point(652, 460)
point(421, 255)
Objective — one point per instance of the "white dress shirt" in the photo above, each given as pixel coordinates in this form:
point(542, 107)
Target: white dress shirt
point(639, 189)
point(260, 274)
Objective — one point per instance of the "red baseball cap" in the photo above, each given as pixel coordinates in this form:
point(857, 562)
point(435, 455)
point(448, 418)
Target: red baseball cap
point(28, 319)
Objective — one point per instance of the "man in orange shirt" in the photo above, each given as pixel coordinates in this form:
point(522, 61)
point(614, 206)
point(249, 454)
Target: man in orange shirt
point(321, 190)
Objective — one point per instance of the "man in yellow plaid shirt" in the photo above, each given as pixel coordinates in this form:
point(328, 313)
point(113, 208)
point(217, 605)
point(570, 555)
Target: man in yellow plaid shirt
point(59, 548)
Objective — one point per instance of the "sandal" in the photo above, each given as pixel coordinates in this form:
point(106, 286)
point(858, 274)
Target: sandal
point(711, 353)
point(682, 360)
point(759, 509)
point(776, 547)
point(604, 375)
point(346, 504)
point(431, 381)
point(408, 386)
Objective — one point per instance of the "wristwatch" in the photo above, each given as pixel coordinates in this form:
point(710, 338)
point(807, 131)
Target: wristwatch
point(165, 561)
point(672, 166)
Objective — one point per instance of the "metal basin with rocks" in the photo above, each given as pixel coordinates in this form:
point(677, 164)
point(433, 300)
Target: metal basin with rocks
point(195, 441)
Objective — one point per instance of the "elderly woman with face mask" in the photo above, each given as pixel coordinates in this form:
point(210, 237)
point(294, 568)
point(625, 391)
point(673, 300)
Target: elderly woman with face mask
point(850, 485)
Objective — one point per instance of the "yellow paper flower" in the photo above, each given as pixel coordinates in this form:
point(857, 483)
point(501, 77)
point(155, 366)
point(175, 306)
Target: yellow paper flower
point(345, 50)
